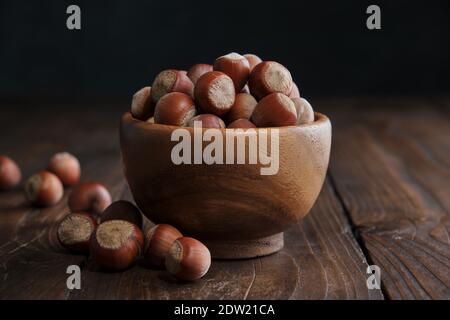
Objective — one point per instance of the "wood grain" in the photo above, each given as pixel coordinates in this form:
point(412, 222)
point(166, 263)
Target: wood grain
point(321, 258)
point(391, 169)
point(388, 185)
point(237, 208)
point(32, 263)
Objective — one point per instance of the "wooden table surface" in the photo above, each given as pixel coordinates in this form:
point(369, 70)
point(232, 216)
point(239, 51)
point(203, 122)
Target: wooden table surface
point(386, 201)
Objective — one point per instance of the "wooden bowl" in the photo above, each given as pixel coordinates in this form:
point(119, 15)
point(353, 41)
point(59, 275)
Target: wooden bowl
point(235, 210)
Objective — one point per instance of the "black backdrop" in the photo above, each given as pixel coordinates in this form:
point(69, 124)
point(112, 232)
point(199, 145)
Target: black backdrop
point(123, 44)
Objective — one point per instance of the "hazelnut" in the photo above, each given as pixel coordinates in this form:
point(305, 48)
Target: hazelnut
point(241, 123)
point(295, 93)
point(89, 197)
point(175, 109)
point(197, 70)
point(188, 259)
point(122, 210)
point(75, 230)
point(243, 107)
point(142, 106)
point(236, 67)
point(158, 241)
point(171, 81)
point(66, 167)
point(10, 174)
point(214, 93)
point(208, 121)
point(305, 113)
point(116, 244)
point(44, 189)
point(268, 77)
point(274, 110)
point(253, 60)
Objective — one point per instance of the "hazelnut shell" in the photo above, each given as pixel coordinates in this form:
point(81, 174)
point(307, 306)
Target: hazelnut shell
point(116, 244)
point(242, 108)
point(275, 110)
point(171, 81)
point(215, 93)
point(188, 259)
point(269, 77)
point(158, 241)
point(89, 197)
point(305, 113)
point(66, 167)
point(236, 67)
point(44, 189)
point(241, 123)
point(75, 230)
point(197, 70)
point(10, 174)
point(175, 109)
point(208, 121)
point(142, 105)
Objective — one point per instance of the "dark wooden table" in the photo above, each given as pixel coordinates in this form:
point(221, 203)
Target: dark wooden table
point(386, 201)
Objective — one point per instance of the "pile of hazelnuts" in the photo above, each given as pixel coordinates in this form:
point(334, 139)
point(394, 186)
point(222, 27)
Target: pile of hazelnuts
point(237, 91)
point(115, 240)
point(110, 232)
point(46, 187)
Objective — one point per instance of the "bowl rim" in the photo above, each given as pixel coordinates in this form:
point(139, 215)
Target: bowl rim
point(127, 118)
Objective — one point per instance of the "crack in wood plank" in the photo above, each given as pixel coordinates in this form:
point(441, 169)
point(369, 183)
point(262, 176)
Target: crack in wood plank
point(251, 282)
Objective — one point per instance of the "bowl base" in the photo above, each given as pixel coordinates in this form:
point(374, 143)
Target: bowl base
point(243, 249)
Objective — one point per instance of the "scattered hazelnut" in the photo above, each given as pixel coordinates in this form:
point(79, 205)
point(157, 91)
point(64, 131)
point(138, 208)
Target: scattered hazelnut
point(253, 60)
point(243, 107)
point(116, 244)
point(89, 197)
point(241, 123)
point(197, 70)
point(275, 110)
point(66, 167)
point(44, 189)
point(269, 77)
point(208, 121)
point(188, 259)
point(305, 113)
point(175, 109)
point(158, 241)
point(122, 210)
point(10, 174)
point(151, 120)
point(214, 92)
point(75, 230)
point(236, 67)
point(295, 93)
point(171, 81)
point(142, 106)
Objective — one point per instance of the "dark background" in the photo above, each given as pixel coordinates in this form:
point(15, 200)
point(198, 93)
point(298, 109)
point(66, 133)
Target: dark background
point(124, 44)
